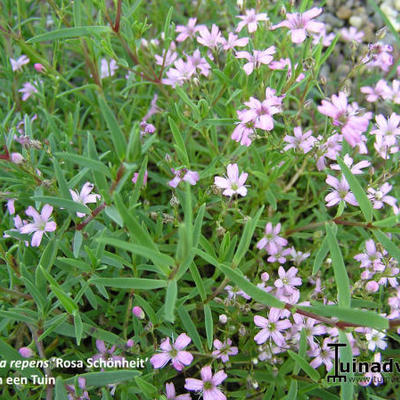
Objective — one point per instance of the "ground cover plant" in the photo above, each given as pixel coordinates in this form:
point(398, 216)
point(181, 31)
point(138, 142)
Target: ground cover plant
point(199, 199)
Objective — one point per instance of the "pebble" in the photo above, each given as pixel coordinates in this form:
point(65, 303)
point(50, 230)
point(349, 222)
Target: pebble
point(356, 21)
point(344, 12)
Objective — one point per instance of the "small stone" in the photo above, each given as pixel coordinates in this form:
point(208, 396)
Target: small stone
point(356, 21)
point(343, 12)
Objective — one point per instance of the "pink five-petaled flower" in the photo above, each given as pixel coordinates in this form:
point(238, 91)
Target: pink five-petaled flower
point(378, 197)
point(287, 280)
point(300, 141)
point(187, 31)
point(256, 59)
point(179, 358)
point(347, 116)
point(224, 350)
point(271, 327)
point(17, 64)
point(271, 242)
point(233, 183)
point(107, 68)
point(355, 169)
point(352, 34)
point(40, 224)
point(72, 395)
point(208, 384)
point(389, 129)
point(301, 23)
point(183, 175)
point(171, 393)
point(210, 39)
point(27, 90)
point(84, 197)
point(341, 192)
point(323, 355)
point(250, 19)
point(136, 176)
point(233, 41)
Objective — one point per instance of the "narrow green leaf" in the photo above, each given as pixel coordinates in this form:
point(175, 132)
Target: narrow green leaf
point(256, 293)
point(130, 283)
point(356, 316)
point(70, 33)
point(68, 204)
point(78, 327)
point(139, 181)
point(136, 230)
point(209, 325)
point(245, 240)
point(292, 395)
point(40, 300)
point(198, 281)
point(179, 143)
point(190, 327)
point(339, 269)
point(162, 261)
point(18, 316)
point(146, 387)
point(69, 304)
point(391, 248)
point(320, 256)
point(62, 183)
point(98, 175)
point(94, 165)
point(305, 366)
point(185, 98)
point(49, 254)
point(346, 356)
point(77, 243)
point(388, 222)
point(357, 190)
point(99, 379)
point(60, 392)
point(198, 223)
point(117, 136)
point(170, 300)
point(77, 12)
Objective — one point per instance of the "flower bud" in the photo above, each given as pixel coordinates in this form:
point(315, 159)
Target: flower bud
point(130, 343)
point(39, 67)
point(372, 287)
point(17, 158)
point(138, 312)
point(26, 352)
point(223, 319)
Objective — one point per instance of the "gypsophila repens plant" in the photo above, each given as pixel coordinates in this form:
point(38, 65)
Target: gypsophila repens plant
point(200, 199)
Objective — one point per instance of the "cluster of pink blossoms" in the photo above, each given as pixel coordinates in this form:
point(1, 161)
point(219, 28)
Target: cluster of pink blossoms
point(207, 385)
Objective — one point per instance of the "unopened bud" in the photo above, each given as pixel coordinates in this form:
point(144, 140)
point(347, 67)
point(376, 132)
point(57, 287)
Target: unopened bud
point(223, 319)
point(17, 158)
point(39, 67)
point(138, 312)
point(26, 352)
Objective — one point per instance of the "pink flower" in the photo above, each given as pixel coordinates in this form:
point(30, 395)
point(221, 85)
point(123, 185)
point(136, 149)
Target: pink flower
point(40, 224)
point(84, 197)
point(27, 90)
point(347, 116)
point(183, 175)
point(301, 23)
point(381, 89)
point(233, 41)
point(352, 34)
point(72, 391)
point(355, 169)
point(199, 63)
point(256, 59)
point(208, 384)
point(171, 393)
point(210, 39)
point(300, 141)
point(107, 68)
point(174, 353)
point(371, 258)
point(287, 280)
point(136, 175)
point(17, 158)
point(17, 65)
point(250, 19)
point(26, 352)
point(138, 312)
point(233, 184)
point(182, 72)
point(271, 327)
point(341, 192)
point(323, 355)
point(243, 132)
point(271, 241)
point(105, 353)
point(39, 67)
point(168, 58)
point(187, 31)
point(11, 206)
point(375, 340)
point(224, 350)
point(388, 129)
point(380, 56)
point(379, 197)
